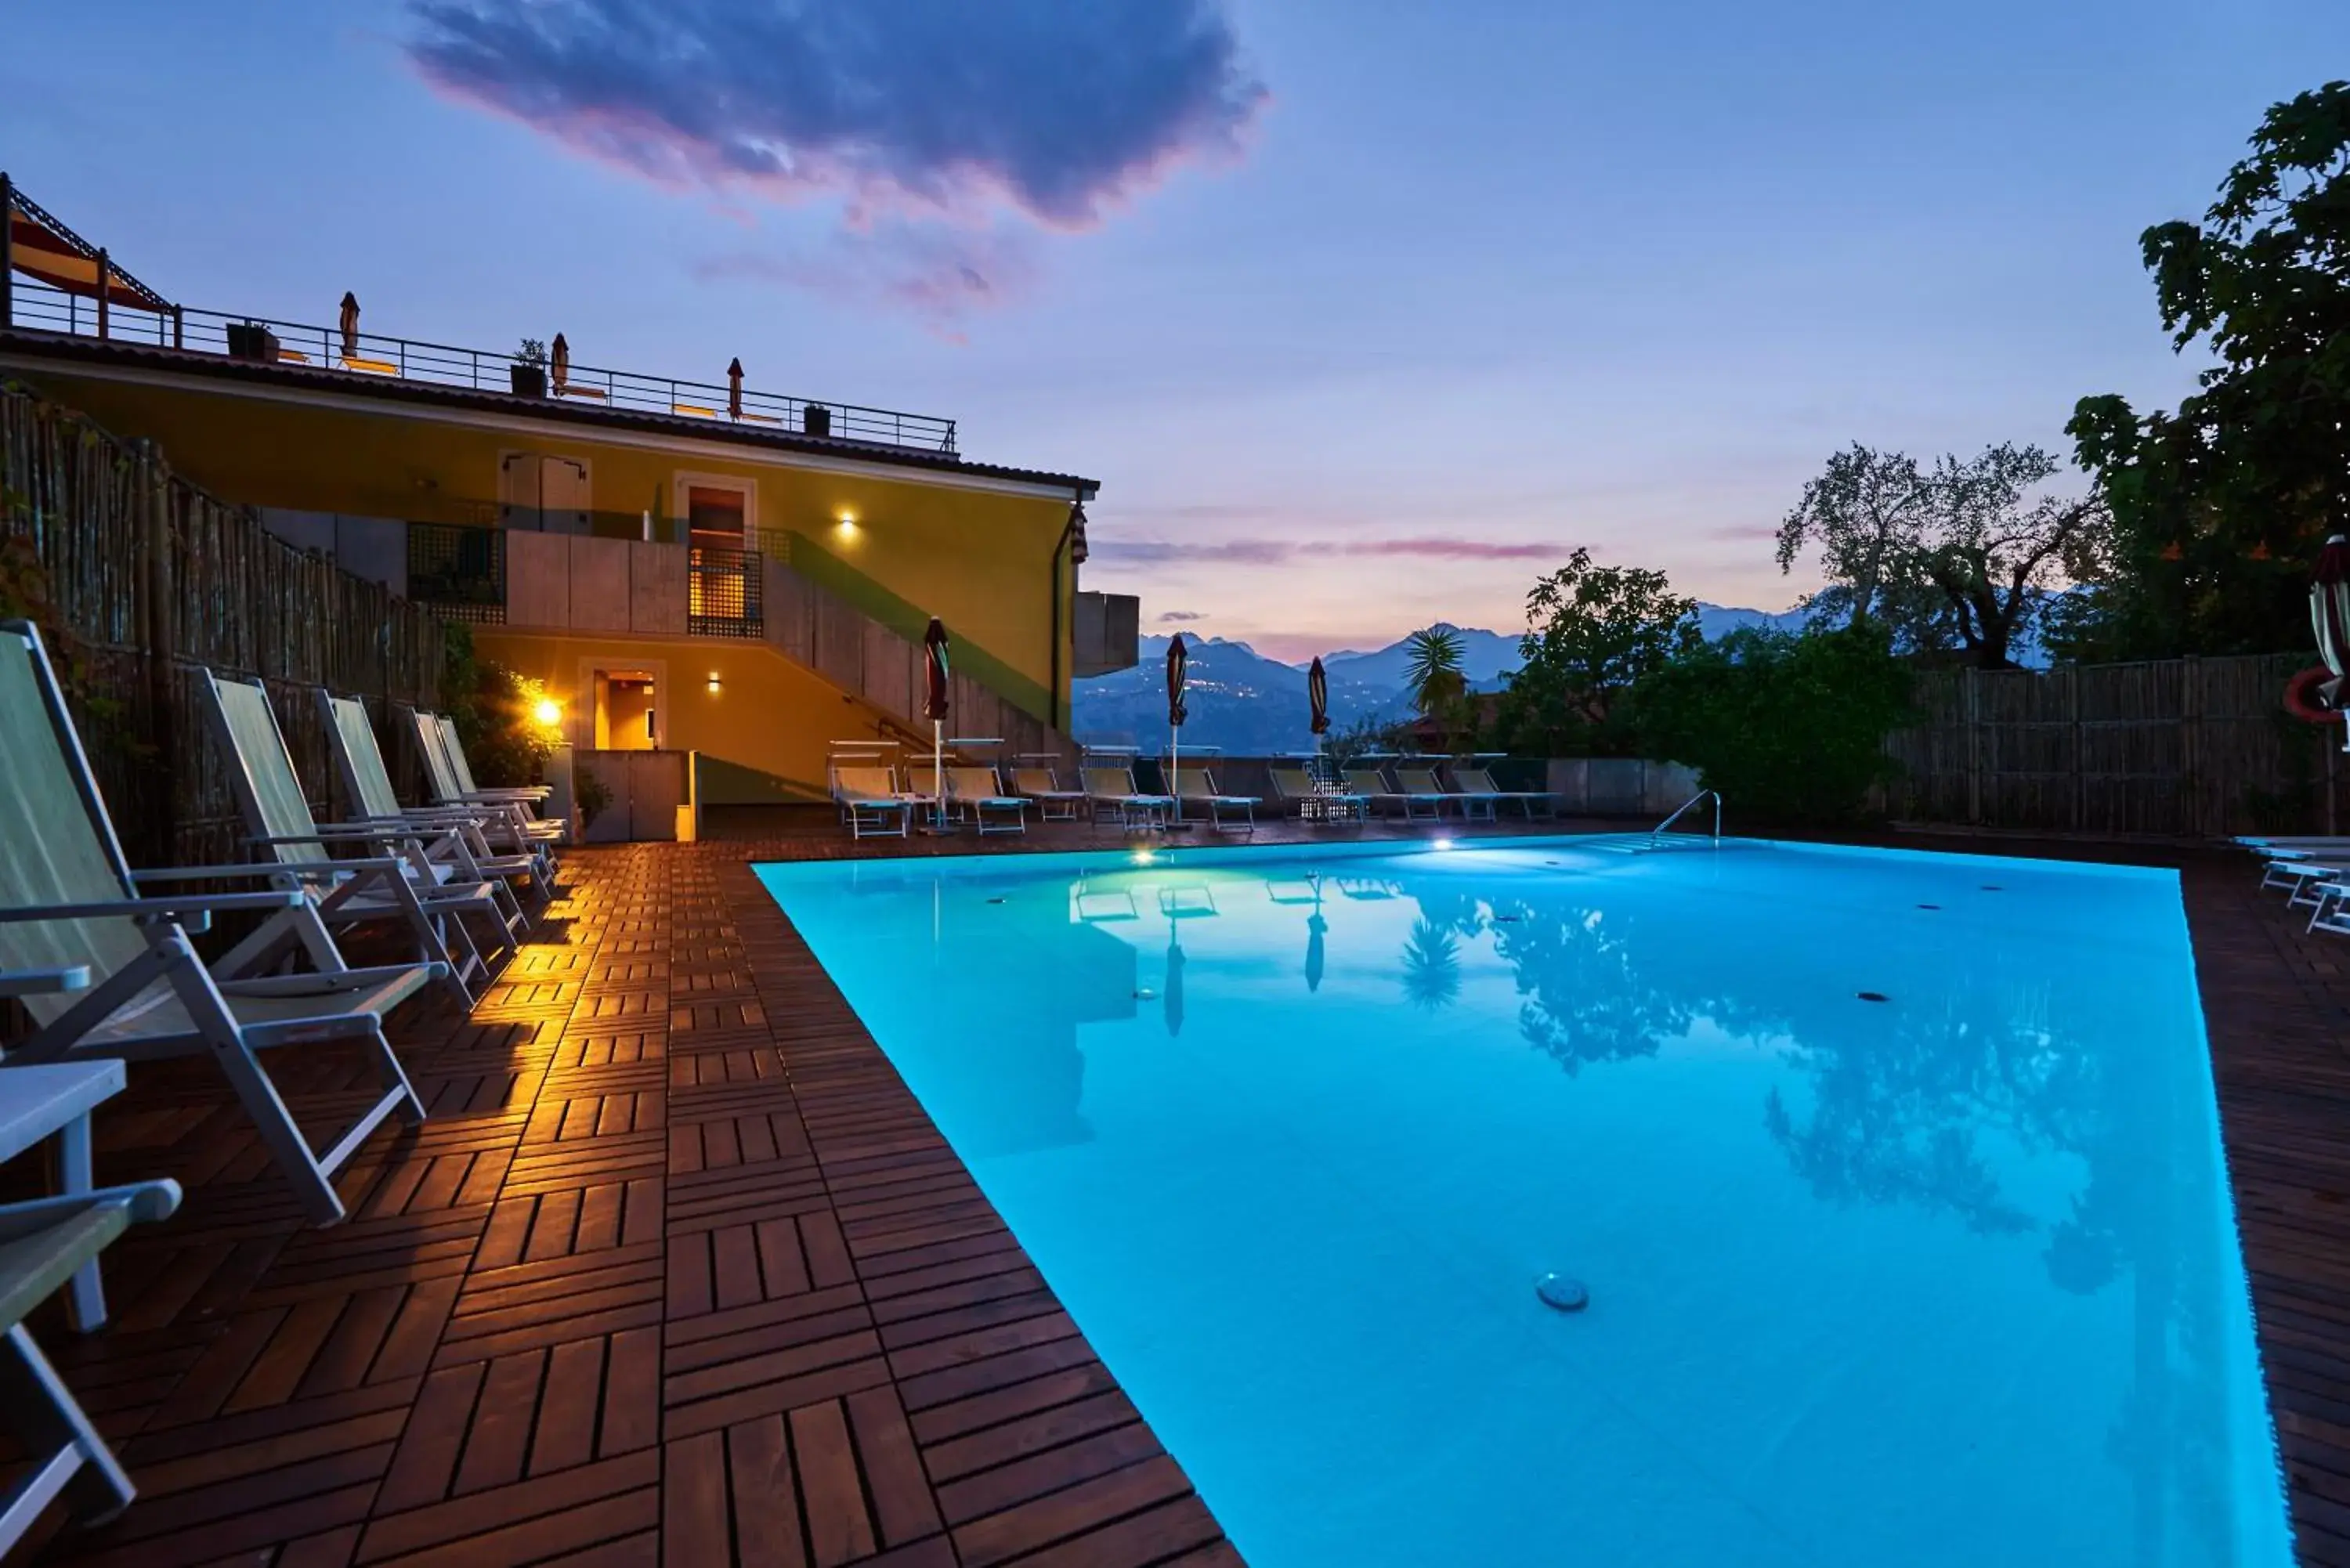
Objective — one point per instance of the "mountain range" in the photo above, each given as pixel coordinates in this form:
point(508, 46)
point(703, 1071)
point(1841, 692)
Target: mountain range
point(1240, 701)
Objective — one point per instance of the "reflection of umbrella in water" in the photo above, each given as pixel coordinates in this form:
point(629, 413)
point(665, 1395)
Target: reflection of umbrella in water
point(1171, 995)
point(1314, 927)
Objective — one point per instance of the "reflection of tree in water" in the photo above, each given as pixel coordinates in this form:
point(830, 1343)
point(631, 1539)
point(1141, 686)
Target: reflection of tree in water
point(1431, 966)
point(1586, 996)
point(1905, 1100)
point(1921, 1103)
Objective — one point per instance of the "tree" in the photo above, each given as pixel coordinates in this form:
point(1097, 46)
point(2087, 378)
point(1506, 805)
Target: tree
point(2219, 507)
point(1996, 556)
point(1788, 728)
point(1591, 633)
point(1867, 516)
point(1438, 688)
point(1961, 557)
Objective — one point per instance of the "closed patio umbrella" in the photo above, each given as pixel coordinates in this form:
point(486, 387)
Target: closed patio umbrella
point(934, 707)
point(1171, 1003)
point(559, 368)
point(1318, 698)
point(1179, 660)
point(351, 325)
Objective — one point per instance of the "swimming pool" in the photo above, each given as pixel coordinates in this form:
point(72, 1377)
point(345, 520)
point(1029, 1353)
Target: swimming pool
point(1949, 1277)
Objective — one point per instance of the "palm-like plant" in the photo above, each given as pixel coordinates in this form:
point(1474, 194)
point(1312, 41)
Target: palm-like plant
point(1433, 669)
point(1431, 966)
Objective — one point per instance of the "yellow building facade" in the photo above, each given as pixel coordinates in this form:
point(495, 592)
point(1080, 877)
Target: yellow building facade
point(688, 569)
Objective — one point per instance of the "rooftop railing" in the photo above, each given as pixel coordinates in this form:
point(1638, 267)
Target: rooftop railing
point(373, 356)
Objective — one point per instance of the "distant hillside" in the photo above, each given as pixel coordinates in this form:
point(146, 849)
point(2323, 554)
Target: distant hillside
point(1243, 702)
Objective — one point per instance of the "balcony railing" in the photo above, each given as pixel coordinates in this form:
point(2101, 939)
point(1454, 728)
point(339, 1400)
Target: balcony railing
point(723, 590)
point(369, 355)
point(460, 573)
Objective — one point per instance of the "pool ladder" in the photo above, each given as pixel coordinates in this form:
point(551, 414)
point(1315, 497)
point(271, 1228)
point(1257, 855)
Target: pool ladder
point(1656, 833)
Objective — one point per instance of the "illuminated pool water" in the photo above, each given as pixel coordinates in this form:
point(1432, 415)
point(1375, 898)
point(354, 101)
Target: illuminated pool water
point(1947, 1278)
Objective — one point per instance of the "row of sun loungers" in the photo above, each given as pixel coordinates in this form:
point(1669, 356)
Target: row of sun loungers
point(2313, 873)
point(875, 801)
point(100, 956)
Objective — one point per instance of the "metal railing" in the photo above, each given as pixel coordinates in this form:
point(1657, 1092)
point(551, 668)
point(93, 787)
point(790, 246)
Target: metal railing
point(1656, 833)
point(723, 591)
point(458, 572)
point(373, 356)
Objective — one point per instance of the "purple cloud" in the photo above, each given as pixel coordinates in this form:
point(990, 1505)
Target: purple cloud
point(1182, 615)
point(1053, 108)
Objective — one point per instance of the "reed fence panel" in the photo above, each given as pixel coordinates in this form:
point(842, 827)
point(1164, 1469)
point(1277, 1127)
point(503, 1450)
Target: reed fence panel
point(2187, 747)
point(141, 580)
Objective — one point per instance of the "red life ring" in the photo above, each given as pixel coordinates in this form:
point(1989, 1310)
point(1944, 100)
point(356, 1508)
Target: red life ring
point(2300, 696)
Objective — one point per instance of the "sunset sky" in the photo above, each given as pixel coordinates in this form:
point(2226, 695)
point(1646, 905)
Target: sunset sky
point(1364, 313)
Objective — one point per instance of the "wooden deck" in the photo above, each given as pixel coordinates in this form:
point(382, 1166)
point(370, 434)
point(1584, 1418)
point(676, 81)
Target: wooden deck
point(679, 1272)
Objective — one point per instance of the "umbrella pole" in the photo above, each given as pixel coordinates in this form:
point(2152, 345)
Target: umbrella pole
point(1175, 773)
point(938, 776)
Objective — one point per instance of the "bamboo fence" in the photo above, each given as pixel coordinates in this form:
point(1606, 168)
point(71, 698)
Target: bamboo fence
point(144, 580)
point(2179, 747)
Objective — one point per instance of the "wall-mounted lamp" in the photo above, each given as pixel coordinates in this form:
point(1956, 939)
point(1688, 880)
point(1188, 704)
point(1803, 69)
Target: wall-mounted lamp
point(846, 522)
point(714, 682)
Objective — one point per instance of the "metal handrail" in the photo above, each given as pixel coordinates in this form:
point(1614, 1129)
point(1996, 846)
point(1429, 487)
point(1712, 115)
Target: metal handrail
point(368, 355)
point(1656, 833)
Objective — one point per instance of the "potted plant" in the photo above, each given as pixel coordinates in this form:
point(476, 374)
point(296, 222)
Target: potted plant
point(529, 369)
point(815, 420)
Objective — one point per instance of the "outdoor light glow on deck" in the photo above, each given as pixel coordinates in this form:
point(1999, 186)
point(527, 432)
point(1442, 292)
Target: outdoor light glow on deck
point(548, 712)
point(1444, 843)
point(1144, 857)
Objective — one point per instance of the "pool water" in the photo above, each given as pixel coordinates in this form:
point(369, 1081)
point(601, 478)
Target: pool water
point(1949, 1277)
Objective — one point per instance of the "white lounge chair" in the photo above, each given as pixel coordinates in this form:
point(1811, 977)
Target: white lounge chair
point(1111, 790)
point(1197, 786)
point(871, 802)
point(461, 842)
point(978, 791)
point(391, 881)
point(44, 1244)
point(1480, 781)
point(1422, 788)
point(1297, 791)
point(1373, 788)
point(1054, 803)
point(513, 827)
point(68, 899)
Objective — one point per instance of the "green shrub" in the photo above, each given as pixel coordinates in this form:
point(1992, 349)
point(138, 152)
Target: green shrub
point(1790, 729)
point(497, 712)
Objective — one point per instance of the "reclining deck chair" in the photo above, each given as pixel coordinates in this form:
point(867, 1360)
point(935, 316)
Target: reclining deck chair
point(68, 899)
point(1480, 781)
point(1367, 784)
point(1197, 786)
point(1042, 786)
point(976, 789)
point(397, 882)
point(461, 847)
point(512, 826)
point(871, 801)
point(43, 1244)
point(1421, 786)
point(1111, 790)
point(1295, 789)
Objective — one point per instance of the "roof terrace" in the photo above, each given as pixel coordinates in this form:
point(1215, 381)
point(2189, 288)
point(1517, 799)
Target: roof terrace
point(119, 315)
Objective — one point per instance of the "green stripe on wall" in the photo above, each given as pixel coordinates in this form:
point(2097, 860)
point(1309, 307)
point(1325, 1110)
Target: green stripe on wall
point(852, 588)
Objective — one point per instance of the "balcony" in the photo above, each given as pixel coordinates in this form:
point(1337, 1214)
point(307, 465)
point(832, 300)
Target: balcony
point(371, 358)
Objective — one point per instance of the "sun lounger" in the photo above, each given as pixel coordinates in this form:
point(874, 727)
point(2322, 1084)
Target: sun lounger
point(1480, 781)
point(1054, 803)
point(461, 832)
point(1297, 791)
point(44, 1244)
point(513, 826)
point(1111, 790)
point(977, 790)
point(1197, 786)
point(391, 881)
point(1422, 787)
point(67, 898)
point(871, 803)
point(1367, 784)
